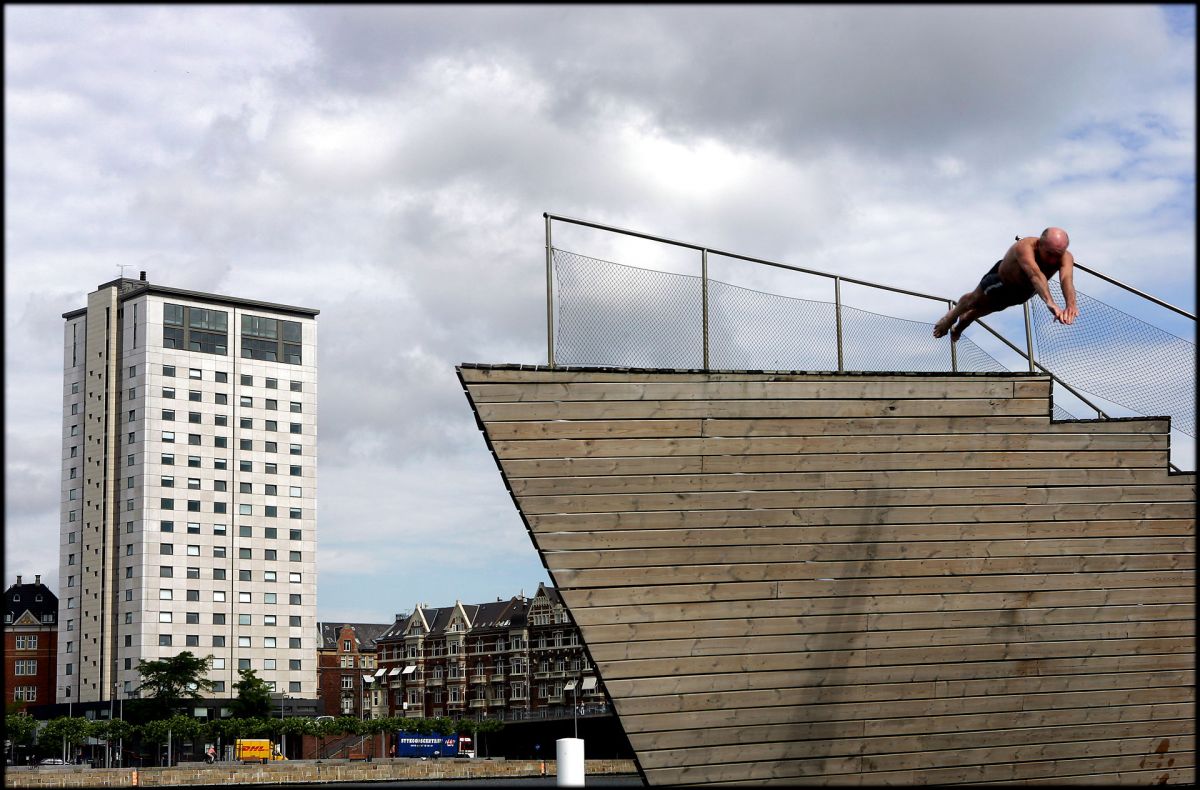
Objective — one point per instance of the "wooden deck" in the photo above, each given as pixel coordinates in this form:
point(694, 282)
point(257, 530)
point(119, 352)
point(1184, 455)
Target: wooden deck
point(792, 578)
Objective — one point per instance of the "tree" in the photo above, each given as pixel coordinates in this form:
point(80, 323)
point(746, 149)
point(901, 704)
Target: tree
point(253, 696)
point(66, 730)
point(168, 681)
point(19, 727)
point(177, 729)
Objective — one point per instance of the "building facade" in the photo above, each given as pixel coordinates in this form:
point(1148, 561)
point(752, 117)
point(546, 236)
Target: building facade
point(30, 643)
point(189, 489)
point(511, 659)
point(346, 667)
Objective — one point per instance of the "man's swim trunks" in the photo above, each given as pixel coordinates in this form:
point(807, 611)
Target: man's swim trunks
point(1000, 293)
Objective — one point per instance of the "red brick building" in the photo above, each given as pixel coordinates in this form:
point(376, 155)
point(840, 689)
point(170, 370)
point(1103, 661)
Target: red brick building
point(30, 643)
point(345, 658)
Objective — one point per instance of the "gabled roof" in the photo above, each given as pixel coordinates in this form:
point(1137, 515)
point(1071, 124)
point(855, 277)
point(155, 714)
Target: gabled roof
point(500, 615)
point(365, 634)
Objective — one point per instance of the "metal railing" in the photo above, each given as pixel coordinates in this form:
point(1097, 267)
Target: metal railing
point(839, 308)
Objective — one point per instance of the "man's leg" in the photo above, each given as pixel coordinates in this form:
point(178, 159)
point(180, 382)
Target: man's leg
point(967, 302)
point(979, 309)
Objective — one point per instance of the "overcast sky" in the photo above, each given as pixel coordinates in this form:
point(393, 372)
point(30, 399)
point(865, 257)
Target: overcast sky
point(389, 166)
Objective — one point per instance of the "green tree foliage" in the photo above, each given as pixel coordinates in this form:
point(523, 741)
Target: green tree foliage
point(169, 681)
point(19, 727)
point(253, 696)
point(74, 730)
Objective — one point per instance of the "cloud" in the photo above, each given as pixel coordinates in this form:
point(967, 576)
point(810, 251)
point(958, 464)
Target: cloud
point(389, 166)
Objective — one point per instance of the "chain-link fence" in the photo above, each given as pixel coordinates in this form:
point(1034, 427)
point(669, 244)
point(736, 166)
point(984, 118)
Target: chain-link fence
point(1126, 361)
point(610, 314)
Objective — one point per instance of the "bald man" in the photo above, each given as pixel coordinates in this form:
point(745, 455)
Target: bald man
point(1021, 273)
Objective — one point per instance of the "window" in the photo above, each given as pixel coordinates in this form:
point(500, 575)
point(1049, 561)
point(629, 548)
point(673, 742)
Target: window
point(245, 488)
point(193, 551)
point(164, 617)
point(165, 571)
point(218, 686)
point(221, 378)
point(219, 596)
point(194, 417)
point(195, 373)
point(294, 578)
point(294, 449)
point(269, 554)
point(272, 405)
point(245, 466)
point(194, 395)
point(166, 548)
point(295, 491)
point(220, 463)
point(193, 573)
point(294, 534)
point(244, 531)
point(243, 663)
point(295, 512)
point(247, 381)
point(26, 666)
point(271, 469)
point(164, 640)
point(219, 485)
point(293, 641)
point(269, 598)
point(245, 510)
point(219, 619)
point(220, 441)
point(271, 511)
point(165, 595)
point(218, 551)
point(168, 392)
point(168, 459)
point(294, 427)
point(269, 641)
point(193, 505)
point(268, 576)
point(271, 425)
point(194, 461)
point(221, 399)
point(194, 438)
point(244, 619)
point(245, 444)
point(295, 407)
point(244, 554)
point(270, 447)
point(269, 619)
point(221, 421)
point(194, 483)
point(294, 599)
point(294, 556)
point(168, 414)
point(271, 532)
point(243, 641)
point(168, 436)
point(294, 620)
point(246, 422)
point(193, 527)
point(219, 641)
point(246, 400)
point(168, 370)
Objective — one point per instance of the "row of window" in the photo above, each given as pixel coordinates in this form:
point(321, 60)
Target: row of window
point(193, 506)
point(219, 596)
point(220, 420)
point(223, 378)
point(193, 483)
point(221, 399)
point(25, 666)
point(195, 439)
point(27, 641)
point(193, 550)
point(24, 693)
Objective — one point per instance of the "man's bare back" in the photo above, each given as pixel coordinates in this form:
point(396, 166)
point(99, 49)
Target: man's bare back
point(1023, 272)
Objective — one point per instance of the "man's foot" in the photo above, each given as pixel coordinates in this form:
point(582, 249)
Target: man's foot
point(940, 328)
point(956, 333)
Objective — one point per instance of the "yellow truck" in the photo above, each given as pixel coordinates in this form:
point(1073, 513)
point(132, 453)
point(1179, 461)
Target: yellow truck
point(256, 750)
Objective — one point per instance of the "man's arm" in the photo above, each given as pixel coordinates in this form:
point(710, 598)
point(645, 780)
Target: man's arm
point(1030, 269)
point(1066, 278)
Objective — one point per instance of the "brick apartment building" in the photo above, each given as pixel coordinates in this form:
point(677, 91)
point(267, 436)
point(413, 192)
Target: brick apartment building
point(345, 656)
point(30, 643)
point(508, 659)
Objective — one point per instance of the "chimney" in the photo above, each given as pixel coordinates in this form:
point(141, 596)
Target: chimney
point(37, 579)
point(18, 579)
point(143, 277)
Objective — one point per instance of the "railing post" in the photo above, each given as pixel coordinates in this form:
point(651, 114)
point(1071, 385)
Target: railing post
point(549, 296)
point(953, 344)
point(1029, 337)
point(837, 310)
point(704, 302)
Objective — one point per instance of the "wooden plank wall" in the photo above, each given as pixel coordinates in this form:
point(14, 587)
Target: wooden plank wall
point(861, 578)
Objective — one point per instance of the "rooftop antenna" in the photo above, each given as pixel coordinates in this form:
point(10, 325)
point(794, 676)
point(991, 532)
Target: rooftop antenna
point(122, 267)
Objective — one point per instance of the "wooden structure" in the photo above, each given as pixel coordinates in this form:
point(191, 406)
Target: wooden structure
point(861, 578)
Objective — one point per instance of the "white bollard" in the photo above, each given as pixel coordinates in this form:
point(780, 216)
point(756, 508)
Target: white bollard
point(570, 762)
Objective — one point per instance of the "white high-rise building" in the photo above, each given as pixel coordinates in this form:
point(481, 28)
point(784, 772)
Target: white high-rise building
point(189, 489)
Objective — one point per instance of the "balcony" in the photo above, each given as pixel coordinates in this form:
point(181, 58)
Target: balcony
point(498, 677)
point(497, 702)
point(479, 703)
point(479, 679)
point(435, 682)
